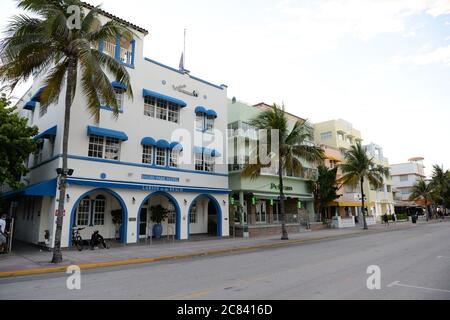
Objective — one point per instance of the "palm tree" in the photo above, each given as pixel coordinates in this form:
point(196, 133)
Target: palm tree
point(293, 147)
point(422, 190)
point(441, 184)
point(325, 189)
point(357, 168)
point(44, 44)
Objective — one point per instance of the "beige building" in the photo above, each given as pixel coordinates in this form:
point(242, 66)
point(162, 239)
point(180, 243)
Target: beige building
point(336, 137)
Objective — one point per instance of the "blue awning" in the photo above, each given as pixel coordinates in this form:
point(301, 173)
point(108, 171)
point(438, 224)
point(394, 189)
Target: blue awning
point(148, 141)
point(50, 133)
point(211, 114)
point(200, 110)
point(30, 105)
point(149, 93)
point(119, 85)
point(206, 151)
point(37, 96)
point(43, 189)
point(102, 132)
point(163, 144)
point(176, 146)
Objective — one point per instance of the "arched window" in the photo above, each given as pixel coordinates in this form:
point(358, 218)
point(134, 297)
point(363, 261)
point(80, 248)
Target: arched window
point(99, 211)
point(83, 212)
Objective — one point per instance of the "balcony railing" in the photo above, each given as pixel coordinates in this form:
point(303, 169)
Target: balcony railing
point(109, 49)
point(125, 55)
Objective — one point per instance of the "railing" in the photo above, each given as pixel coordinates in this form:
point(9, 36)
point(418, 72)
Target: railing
point(109, 49)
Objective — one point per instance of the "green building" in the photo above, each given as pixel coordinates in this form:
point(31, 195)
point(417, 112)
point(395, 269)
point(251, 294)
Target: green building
point(259, 198)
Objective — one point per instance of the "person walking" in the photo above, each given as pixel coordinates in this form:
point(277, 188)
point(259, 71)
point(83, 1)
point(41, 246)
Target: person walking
point(386, 219)
point(3, 235)
point(394, 218)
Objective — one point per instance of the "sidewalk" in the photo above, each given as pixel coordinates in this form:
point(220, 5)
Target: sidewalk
point(33, 261)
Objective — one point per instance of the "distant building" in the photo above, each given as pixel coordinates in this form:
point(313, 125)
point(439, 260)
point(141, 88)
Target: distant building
point(404, 177)
point(379, 201)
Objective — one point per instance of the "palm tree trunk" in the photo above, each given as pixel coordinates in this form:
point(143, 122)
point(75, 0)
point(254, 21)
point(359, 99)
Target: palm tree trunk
point(71, 83)
point(363, 211)
point(285, 235)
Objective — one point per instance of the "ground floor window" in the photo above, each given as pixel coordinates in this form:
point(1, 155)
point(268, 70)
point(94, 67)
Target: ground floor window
point(193, 214)
point(91, 212)
point(171, 218)
point(261, 212)
point(83, 212)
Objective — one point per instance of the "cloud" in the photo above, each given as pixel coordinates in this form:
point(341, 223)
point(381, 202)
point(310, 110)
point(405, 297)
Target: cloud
point(331, 20)
point(438, 55)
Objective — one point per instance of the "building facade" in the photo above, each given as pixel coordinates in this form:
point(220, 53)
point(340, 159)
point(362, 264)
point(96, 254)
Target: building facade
point(381, 200)
point(336, 137)
point(165, 148)
point(404, 177)
point(259, 198)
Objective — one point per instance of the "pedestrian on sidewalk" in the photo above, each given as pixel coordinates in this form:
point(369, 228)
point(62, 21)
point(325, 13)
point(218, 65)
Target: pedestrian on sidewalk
point(394, 218)
point(3, 235)
point(386, 219)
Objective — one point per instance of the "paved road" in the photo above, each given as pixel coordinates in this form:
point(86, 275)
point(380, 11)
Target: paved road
point(415, 264)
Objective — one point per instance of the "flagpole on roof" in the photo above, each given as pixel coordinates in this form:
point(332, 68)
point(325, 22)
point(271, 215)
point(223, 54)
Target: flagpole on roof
point(184, 49)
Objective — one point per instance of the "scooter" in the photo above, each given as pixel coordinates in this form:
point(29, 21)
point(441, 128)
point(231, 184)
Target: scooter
point(97, 240)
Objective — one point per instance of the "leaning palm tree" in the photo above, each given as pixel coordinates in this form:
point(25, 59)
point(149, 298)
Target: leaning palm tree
point(293, 148)
point(358, 167)
point(422, 191)
point(440, 181)
point(47, 46)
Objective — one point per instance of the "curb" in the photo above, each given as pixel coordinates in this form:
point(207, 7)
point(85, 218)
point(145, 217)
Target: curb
point(137, 261)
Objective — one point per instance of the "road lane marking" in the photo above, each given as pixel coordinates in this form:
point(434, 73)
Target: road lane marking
point(398, 284)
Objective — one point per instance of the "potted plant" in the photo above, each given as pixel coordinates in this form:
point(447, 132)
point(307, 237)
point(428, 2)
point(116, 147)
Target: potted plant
point(117, 220)
point(158, 215)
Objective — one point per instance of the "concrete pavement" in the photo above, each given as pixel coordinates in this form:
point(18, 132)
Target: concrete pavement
point(33, 261)
point(414, 264)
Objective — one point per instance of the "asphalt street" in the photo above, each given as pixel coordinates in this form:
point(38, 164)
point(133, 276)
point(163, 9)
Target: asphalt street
point(413, 264)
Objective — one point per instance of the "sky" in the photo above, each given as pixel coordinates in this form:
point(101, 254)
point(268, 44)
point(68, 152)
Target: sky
point(383, 65)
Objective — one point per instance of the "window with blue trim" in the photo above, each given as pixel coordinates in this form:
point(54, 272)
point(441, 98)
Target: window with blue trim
point(209, 124)
point(119, 100)
point(174, 158)
point(147, 154)
point(161, 109)
point(204, 122)
point(104, 147)
point(204, 162)
point(161, 155)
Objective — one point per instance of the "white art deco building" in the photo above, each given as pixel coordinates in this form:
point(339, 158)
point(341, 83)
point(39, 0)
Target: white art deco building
point(166, 148)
